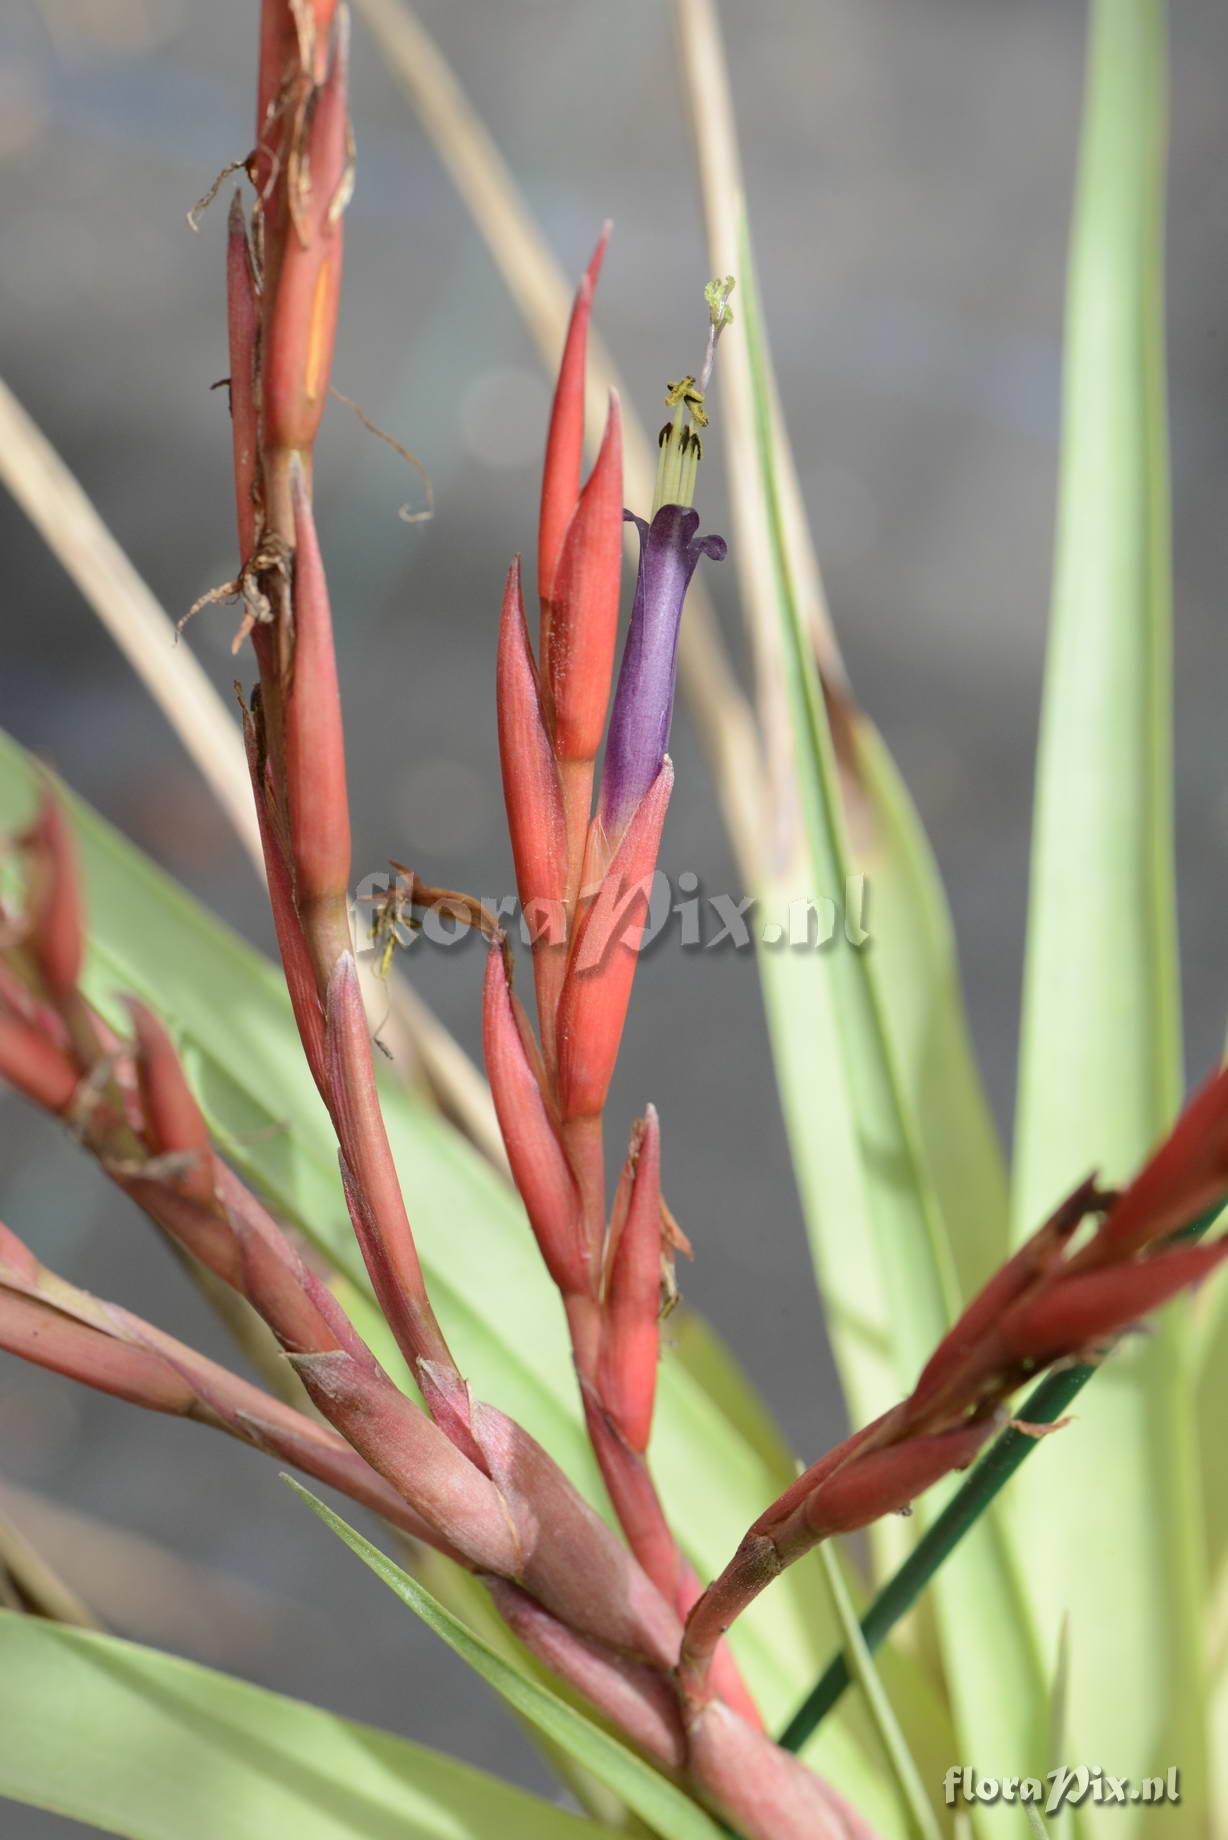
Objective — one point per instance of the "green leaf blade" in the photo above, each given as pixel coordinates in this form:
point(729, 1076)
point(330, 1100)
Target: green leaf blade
point(881, 1240)
point(142, 1744)
point(1106, 1527)
point(655, 1799)
point(861, 1665)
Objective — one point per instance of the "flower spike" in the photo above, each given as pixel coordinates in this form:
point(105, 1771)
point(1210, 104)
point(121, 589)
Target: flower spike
point(52, 1323)
point(1045, 1305)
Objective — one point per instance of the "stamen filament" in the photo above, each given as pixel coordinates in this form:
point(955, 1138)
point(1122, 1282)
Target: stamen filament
point(669, 464)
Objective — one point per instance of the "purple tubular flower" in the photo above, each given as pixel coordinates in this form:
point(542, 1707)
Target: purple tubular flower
point(644, 699)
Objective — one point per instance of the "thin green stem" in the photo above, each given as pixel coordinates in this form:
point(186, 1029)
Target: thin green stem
point(921, 1817)
point(1043, 1406)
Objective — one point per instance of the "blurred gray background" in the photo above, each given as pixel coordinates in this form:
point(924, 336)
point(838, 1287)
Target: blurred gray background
point(910, 167)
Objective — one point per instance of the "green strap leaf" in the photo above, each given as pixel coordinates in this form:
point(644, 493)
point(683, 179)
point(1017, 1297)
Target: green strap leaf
point(142, 1744)
point(886, 1264)
point(1209, 1360)
point(1107, 1526)
point(666, 1809)
point(916, 1268)
point(931, 1080)
point(923, 1004)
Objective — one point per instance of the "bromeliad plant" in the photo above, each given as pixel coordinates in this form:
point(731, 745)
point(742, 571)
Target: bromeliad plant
point(611, 1612)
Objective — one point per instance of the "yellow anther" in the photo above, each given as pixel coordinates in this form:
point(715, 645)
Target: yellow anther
point(691, 398)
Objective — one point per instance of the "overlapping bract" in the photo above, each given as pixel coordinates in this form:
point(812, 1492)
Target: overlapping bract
point(1049, 1303)
point(584, 881)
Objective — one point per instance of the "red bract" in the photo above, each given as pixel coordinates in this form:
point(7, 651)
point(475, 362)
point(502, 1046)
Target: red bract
point(605, 953)
point(633, 1695)
point(533, 797)
point(174, 1125)
point(1186, 1174)
point(565, 439)
point(1088, 1309)
point(530, 1134)
point(293, 42)
point(578, 643)
point(316, 799)
point(53, 899)
point(243, 323)
point(578, 566)
point(36, 1065)
point(879, 1482)
point(530, 773)
point(631, 1335)
point(310, 175)
point(767, 1791)
point(1017, 1277)
point(296, 962)
point(372, 1188)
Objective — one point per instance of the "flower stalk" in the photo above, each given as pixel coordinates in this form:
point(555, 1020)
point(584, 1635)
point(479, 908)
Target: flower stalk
point(57, 1326)
point(1047, 1305)
point(1043, 1409)
point(584, 879)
